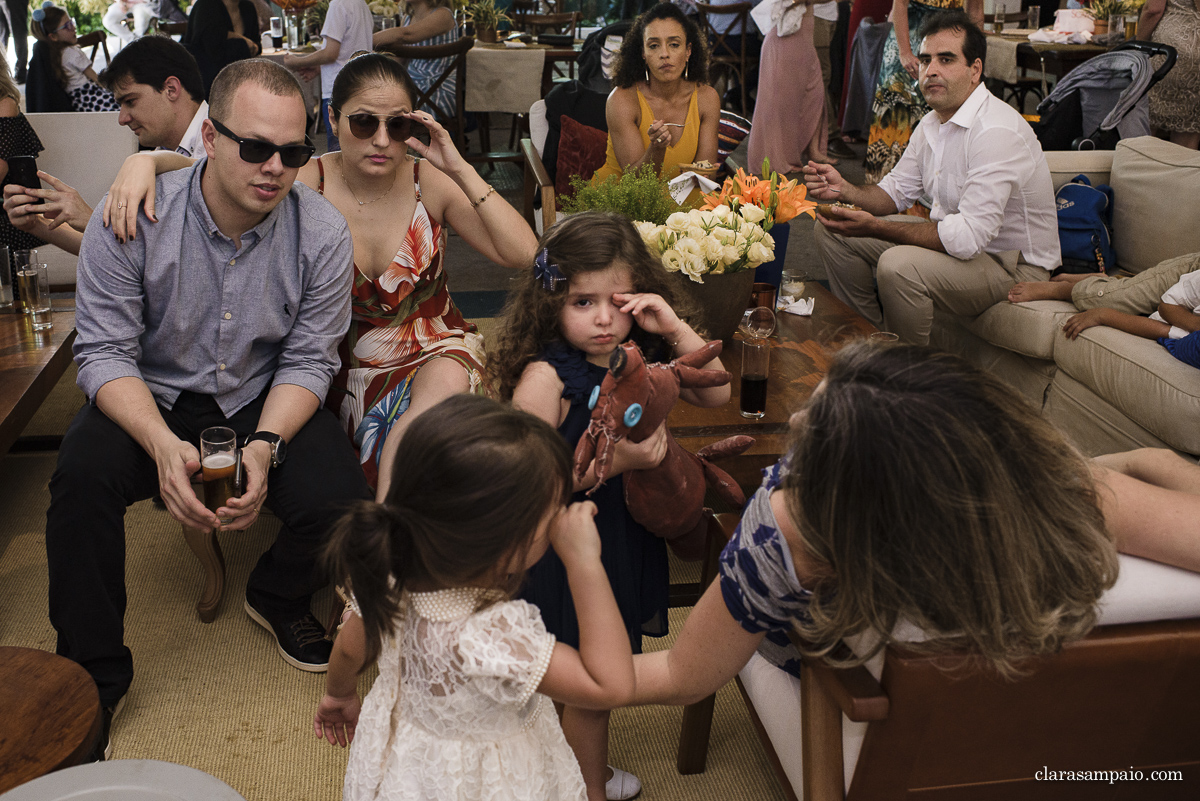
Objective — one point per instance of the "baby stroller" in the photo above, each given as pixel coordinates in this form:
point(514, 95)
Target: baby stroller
point(1103, 100)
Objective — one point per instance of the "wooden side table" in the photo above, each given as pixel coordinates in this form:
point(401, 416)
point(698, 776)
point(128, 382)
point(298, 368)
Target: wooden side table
point(51, 714)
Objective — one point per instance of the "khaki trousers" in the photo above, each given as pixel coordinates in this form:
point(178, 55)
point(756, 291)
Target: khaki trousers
point(1140, 294)
point(897, 287)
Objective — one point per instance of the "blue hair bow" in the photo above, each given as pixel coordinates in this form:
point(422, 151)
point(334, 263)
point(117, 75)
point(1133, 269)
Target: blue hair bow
point(547, 272)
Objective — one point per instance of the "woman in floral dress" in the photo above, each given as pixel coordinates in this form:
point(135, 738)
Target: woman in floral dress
point(899, 105)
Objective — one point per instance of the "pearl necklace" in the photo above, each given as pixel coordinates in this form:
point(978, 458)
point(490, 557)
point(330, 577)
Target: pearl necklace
point(353, 195)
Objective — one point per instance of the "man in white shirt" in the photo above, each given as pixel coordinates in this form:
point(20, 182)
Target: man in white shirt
point(993, 220)
point(348, 30)
point(158, 86)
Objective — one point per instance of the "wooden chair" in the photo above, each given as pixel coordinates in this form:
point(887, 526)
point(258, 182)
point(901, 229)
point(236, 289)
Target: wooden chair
point(565, 24)
point(537, 181)
point(457, 51)
point(1122, 698)
point(172, 28)
point(95, 40)
point(1016, 18)
point(725, 63)
point(1017, 92)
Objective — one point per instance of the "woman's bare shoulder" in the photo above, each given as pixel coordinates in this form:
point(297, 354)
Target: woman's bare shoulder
point(9, 107)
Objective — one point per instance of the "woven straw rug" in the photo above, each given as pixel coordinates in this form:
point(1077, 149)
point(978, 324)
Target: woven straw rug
point(218, 698)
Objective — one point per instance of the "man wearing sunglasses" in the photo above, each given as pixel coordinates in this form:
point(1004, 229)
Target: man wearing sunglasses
point(226, 312)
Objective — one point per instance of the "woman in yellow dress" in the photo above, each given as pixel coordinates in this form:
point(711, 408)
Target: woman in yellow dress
point(663, 112)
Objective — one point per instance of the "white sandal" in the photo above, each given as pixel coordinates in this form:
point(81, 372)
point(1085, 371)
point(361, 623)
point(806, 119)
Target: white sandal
point(623, 785)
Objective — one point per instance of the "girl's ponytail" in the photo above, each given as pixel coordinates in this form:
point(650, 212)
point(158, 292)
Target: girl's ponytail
point(371, 553)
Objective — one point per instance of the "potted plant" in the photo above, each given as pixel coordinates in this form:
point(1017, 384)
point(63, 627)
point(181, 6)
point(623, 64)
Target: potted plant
point(638, 194)
point(486, 18)
point(1102, 10)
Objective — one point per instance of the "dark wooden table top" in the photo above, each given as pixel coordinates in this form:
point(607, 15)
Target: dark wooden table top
point(51, 715)
point(31, 363)
point(801, 349)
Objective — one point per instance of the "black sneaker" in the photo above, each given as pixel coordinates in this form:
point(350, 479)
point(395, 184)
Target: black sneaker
point(103, 749)
point(301, 640)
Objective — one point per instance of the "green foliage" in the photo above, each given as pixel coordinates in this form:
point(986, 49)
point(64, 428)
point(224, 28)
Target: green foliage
point(1103, 9)
point(486, 14)
point(638, 194)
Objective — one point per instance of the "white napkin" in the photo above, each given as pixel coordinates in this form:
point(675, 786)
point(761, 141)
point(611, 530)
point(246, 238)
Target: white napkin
point(801, 306)
point(683, 185)
point(1050, 36)
point(513, 43)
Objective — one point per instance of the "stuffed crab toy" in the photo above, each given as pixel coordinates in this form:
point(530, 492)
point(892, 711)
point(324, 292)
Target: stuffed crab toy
point(632, 401)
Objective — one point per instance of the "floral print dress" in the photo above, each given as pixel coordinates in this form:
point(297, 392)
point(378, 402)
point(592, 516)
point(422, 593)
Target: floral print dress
point(399, 321)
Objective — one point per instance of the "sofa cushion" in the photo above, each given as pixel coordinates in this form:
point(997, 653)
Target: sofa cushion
point(1156, 203)
point(1093, 424)
point(1140, 378)
point(1066, 164)
point(1029, 328)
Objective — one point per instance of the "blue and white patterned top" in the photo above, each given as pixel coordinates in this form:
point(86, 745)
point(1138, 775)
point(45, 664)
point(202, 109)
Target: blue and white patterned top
point(758, 579)
point(426, 71)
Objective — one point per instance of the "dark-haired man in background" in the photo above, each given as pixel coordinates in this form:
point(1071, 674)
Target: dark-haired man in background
point(157, 84)
point(993, 220)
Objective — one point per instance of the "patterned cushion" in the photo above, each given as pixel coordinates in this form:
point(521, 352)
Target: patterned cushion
point(581, 151)
point(731, 133)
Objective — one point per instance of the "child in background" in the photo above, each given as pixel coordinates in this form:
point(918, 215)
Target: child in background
point(72, 68)
point(593, 286)
point(347, 30)
point(477, 493)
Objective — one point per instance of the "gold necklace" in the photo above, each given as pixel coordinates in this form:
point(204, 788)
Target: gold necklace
point(342, 173)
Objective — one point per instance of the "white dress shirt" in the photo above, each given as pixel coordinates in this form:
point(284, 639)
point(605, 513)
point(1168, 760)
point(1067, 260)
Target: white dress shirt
point(988, 178)
point(191, 144)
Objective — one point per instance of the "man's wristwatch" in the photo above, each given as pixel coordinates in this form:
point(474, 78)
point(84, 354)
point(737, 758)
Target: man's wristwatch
point(278, 446)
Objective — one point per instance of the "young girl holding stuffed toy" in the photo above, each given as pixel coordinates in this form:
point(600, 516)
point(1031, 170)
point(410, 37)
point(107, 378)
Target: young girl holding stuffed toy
point(55, 30)
point(594, 286)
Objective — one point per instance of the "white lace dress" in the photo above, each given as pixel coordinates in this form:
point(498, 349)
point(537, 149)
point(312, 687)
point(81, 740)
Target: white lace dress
point(454, 713)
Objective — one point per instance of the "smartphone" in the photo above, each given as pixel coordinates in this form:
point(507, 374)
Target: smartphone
point(22, 171)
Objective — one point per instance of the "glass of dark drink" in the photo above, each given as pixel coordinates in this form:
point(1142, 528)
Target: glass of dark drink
point(277, 32)
point(220, 467)
point(756, 359)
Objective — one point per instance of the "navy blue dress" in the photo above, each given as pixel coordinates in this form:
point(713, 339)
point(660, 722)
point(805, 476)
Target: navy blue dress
point(634, 559)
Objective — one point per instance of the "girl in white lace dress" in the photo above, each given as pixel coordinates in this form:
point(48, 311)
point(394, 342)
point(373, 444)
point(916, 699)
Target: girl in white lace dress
point(460, 707)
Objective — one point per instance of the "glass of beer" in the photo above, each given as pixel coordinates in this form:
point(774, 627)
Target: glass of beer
point(220, 467)
point(277, 32)
point(33, 280)
point(6, 280)
point(756, 358)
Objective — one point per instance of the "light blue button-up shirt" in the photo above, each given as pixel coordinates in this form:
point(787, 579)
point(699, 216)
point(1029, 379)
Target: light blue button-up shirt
point(185, 309)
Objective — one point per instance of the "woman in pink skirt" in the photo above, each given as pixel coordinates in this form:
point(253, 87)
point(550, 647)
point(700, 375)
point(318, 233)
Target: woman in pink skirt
point(790, 126)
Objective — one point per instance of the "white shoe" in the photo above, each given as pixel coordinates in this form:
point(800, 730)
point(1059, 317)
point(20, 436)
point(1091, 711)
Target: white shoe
point(622, 785)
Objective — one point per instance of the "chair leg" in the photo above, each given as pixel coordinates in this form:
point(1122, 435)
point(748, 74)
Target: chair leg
point(208, 550)
point(693, 736)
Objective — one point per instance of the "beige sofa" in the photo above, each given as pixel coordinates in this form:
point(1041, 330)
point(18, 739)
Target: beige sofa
point(1109, 391)
point(84, 149)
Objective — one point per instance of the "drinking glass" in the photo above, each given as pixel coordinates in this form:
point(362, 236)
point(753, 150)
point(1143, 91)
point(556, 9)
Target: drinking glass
point(756, 359)
point(762, 295)
point(220, 467)
point(1116, 26)
point(998, 22)
point(793, 282)
point(277, 32)
point(1131, 23)
point(387, 22)
point(294, 32)
point(758, 322)
point(1034, 20)
point(6, 280)
point(33, 279)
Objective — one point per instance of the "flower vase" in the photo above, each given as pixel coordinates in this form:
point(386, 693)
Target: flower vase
point(771, 272)
point(721, 301)
point(1100, 27)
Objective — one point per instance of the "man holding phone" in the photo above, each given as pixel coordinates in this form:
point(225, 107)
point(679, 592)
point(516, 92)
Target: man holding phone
point(228, 312)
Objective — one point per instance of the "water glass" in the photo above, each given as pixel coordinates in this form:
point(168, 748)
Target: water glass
point(756, 361)
point(1034, 20)
point(6, 280)
point(1116, 26)
point(387, 22)
point(998, 21)
point(295, 32)
point(33, 279)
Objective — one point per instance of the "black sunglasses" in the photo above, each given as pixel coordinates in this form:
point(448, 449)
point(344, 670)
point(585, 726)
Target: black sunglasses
point(364, 126)
point(256, 151)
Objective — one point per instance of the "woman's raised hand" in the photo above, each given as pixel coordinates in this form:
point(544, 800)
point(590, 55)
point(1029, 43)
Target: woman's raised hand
point(440, 151)
point(133, 185)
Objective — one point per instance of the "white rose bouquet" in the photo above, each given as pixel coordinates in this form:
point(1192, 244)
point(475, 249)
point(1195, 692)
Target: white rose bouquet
point(710, 242)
